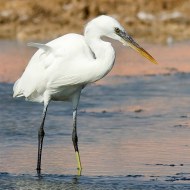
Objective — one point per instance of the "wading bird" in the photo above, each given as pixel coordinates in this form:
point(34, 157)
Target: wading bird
point(60, 69)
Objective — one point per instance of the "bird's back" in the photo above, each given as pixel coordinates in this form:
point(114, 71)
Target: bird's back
point(49, 62)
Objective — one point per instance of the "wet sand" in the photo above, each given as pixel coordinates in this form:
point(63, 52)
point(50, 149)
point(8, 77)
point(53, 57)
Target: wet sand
point(133, 133)
point(133, 126)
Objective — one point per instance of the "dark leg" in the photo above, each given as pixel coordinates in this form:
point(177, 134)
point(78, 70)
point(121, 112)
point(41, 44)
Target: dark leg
point(75, 139)
point(41, 134)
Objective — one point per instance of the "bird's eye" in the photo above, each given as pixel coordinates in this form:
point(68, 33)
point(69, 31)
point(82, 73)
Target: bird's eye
point(117, 30)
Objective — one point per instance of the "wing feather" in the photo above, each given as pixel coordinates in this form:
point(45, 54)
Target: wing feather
point(55, 64)
point(47, 49)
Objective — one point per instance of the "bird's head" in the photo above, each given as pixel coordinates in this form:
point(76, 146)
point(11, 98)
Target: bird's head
point(110, 27)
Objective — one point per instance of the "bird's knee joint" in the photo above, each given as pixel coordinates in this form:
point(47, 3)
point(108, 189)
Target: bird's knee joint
point(74, 138)
point(41, 133)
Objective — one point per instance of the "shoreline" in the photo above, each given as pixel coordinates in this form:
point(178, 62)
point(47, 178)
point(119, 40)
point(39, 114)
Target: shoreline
point(14, 58)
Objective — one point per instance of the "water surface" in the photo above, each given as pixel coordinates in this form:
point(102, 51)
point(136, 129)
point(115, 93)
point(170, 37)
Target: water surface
point(133, 134)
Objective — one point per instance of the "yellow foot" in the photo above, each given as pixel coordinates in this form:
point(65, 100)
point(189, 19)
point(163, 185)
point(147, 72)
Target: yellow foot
point(79, 172)
point(78, 161)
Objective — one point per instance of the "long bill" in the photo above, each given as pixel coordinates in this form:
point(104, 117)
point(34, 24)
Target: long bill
point(127, 40)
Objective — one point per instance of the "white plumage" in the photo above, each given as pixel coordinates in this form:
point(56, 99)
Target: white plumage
point(60, 69)
point(65, 62)
point(51, 68)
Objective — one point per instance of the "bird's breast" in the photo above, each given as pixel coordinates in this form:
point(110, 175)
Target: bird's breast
point(64, 93)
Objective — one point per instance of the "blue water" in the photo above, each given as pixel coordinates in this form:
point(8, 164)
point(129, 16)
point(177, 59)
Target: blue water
point(133, 134)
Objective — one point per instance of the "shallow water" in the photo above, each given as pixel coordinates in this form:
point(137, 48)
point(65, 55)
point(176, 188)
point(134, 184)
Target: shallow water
point(133, 134)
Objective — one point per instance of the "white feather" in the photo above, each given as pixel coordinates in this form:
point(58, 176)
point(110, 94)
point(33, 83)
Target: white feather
point(65, 65)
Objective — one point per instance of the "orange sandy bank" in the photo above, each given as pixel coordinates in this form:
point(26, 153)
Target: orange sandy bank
point(176, 58)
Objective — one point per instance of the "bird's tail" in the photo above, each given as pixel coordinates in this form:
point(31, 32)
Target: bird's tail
point(17, 91)
point(20, 92)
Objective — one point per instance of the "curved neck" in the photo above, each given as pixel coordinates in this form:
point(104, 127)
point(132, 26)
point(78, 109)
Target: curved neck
point(104, 55)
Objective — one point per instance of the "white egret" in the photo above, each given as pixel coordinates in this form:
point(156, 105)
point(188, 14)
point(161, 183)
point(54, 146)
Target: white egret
point(60, 69)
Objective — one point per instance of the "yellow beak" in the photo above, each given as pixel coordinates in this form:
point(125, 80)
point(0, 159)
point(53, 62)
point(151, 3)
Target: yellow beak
point(143, 52)
point(128, 40)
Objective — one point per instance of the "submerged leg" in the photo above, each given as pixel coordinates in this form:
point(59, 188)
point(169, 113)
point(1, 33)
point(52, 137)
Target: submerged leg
point(41, 134)
point(75, 139)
